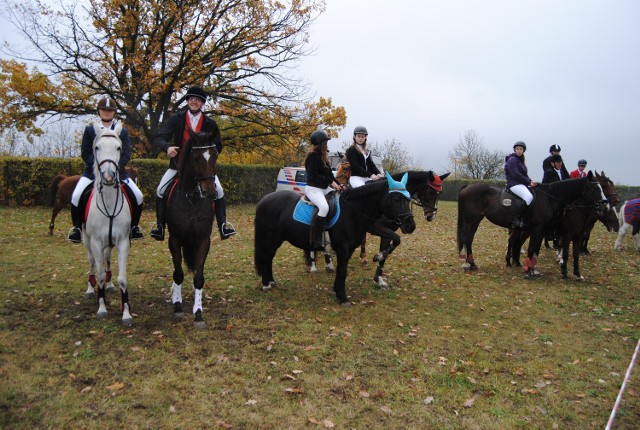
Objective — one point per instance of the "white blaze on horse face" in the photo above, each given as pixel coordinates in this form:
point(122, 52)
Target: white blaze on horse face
point(207, 155)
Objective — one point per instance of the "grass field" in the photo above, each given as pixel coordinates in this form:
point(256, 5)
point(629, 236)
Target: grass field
point(440, 349)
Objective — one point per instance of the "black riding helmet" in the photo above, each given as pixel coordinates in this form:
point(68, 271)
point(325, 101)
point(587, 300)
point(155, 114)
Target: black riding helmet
point(582, 162)
point(197, 92)
point(319, 136)
point(553, 148)
point(522, 144)
point(360, 130)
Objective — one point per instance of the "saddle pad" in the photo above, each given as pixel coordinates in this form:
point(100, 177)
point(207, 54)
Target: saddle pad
point(632, 211)
point(304, 211)
point(93, 190)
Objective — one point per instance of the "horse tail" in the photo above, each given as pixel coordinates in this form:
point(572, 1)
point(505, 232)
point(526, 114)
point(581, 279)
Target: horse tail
point(53, 189)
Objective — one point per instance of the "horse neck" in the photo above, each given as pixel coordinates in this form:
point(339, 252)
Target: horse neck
point(366, 201)
point(567, 191)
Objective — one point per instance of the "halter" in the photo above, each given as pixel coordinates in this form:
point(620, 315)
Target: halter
point(436, 185)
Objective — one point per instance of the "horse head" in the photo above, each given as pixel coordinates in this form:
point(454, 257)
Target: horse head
point(608, 188)
point(198, 169)
point(428, 195)
point(397, 204)
point(107, 148)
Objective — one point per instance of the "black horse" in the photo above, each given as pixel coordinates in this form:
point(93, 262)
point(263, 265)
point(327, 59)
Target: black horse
point(425, 189)
point(190, 216)
point(613, 199)
point(477, 201)
point(359, 209)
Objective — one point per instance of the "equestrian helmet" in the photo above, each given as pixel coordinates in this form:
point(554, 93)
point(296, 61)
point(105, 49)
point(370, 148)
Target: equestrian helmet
point(197, 92)
point(520, 143)
point(360, 130)
point(319, 136)
point(555, 158)
point(555, 148)
point(107, 103)
point(582, 162)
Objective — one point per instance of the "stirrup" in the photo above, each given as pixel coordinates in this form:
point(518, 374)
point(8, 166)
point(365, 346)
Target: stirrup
point(136, 233)
point(157, 232)
point(227, 230)
point(75, 235)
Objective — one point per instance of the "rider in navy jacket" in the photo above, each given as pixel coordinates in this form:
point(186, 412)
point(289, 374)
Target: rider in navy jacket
point(518, 181)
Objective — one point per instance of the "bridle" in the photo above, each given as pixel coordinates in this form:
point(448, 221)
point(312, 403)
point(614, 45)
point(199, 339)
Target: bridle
point(118, 204)
point(198, 193)
point(435, 185)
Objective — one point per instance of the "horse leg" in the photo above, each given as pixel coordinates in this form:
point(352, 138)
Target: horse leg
point(310, 261)
point(198, 283)
point(563, 256)
point(530, 263)
point(98, 259)
point(54, 214)
point(466, 232)
point(577, 248)
point(178, 277)
point(109, 287)
point(387, 245)
point(328, 263)
point(363, 251)
point(123, 253)
point(621, 234)
point(91, 282)
point(343, 256)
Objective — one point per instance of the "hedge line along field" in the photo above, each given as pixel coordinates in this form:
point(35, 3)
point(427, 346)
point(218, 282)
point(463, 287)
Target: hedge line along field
point(438, 349)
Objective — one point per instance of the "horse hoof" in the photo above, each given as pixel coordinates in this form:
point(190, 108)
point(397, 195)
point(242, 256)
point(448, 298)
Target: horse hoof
point(329, 269)
point(364, 261)
point(200, 325)
point(50, 232)
point(110, 288)
point(580, 278)
point(313, 269)
point(101, 315)
point(269, 287)
point(346, 304)
point(127, 322)
point(90, 295)
point(178, 316)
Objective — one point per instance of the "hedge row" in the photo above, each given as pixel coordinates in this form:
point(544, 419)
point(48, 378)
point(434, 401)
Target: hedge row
point(26, 181)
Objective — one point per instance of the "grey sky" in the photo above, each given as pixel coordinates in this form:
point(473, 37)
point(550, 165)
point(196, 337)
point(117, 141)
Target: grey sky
point(546, 72)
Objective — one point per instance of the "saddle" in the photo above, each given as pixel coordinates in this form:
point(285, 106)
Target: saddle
point(305, 210)
point(509, 199)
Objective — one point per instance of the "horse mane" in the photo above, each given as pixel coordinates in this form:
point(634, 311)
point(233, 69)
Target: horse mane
point(416, 176)
point(186, 149)
point(368, 189)
point(564, 188)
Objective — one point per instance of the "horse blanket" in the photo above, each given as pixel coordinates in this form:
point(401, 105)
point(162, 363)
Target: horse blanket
point(632, 211)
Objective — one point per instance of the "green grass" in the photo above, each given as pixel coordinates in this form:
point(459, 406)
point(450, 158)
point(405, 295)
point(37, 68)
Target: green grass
point(489, 350)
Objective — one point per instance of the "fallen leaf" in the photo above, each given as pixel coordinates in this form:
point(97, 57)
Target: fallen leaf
point(469, 403)
point(293, 390)
point(116, 386)
point(222, 424)
point(85, 390)
point(328, 424)
point(296, 372)
point(312, 420)
point(287, 377)
point(251, 402)
point(386, 409)
point(364, 394)
point(172, 409)
point(428, 400)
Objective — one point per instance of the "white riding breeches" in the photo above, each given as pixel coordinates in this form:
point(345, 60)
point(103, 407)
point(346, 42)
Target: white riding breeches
point(358, 181)
point(523, 192)
point(317, 197)
point(168, 176)
point(134, 188)
point(77, 191)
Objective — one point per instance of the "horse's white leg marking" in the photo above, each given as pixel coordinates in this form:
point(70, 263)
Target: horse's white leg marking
point(176, 293)
point(197, 300)
point(636, 239)
point(329, 267)
point(382, 283)
point(621, 234)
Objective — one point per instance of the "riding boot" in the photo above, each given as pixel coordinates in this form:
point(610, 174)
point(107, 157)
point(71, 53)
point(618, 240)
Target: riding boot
point(317, 230)
point(518, 217)
point(136, 231)
point(226, 228)
point(157, 232)
point(75, 234)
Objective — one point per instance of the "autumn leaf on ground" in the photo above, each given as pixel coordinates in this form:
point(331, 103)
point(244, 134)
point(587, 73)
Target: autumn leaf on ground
point(469, 403)
point(116, 386)
point(293, 390)
point(428, 400)
point(328, 424)
point(222, 424)
point(386, 409)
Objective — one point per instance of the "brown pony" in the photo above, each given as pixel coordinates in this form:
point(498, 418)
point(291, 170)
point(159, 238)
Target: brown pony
point(62, 187)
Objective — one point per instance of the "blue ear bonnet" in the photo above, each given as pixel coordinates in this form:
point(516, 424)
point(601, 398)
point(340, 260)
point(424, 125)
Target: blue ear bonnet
point(398, 186)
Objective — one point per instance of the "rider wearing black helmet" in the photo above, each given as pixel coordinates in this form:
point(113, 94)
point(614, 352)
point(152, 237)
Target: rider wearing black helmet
point(518, 181)
point(363, 169)
point(555, 173)
point(546, 164)
point(320, 182)
point(107, 109)
point(170, 139)
point(580, 171)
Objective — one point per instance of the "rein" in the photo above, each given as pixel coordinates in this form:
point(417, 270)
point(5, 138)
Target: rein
point(117, 207)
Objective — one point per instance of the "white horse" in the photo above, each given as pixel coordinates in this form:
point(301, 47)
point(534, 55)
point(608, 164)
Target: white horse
point(630, 222)
point(108, 223)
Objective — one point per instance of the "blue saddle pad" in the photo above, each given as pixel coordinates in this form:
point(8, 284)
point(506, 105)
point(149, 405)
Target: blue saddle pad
point(304, 211)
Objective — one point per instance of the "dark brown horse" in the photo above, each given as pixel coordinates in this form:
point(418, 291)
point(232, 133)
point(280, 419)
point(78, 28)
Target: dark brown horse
point(613, 199)
point(190, 215)
point(62, 187)
point(477, 201)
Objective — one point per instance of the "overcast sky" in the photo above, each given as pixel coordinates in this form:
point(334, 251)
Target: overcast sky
point(563, 72)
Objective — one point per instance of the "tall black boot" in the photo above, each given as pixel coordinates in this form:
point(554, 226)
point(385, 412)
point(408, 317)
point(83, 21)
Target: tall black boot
point(75, 234)
point(157, 232)
point(518, 217)
point(317, 230)
point(136, 231)
point(226, 228)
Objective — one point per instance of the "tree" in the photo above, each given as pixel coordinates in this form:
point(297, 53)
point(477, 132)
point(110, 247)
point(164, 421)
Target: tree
point(472, 160)
point(145, 54)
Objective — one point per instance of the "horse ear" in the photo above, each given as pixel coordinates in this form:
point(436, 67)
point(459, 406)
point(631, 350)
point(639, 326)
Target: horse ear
point(118, 128)
point(405, 178)
point(590, 175)
point(443, 177)
point(390, 180)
